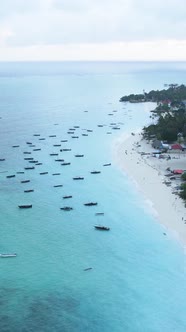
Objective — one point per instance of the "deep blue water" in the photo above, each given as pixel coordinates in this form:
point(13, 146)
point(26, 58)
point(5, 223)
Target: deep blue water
point(137, 281)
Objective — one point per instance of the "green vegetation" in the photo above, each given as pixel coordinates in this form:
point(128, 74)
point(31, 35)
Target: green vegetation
point(175, 93)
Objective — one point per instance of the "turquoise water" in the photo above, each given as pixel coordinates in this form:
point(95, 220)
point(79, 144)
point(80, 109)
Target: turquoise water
point(137, 281)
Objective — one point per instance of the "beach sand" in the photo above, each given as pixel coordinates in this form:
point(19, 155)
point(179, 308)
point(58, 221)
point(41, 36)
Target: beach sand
point(148, 173)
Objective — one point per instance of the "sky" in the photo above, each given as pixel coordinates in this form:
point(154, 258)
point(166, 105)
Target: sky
point(108, 30)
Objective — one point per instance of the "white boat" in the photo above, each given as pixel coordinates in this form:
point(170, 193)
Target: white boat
point(8, 255)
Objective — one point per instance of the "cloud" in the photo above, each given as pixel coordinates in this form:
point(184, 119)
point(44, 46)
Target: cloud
point(67, 22)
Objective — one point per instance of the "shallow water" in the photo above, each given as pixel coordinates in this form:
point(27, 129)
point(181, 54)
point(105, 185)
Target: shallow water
point(137, 280)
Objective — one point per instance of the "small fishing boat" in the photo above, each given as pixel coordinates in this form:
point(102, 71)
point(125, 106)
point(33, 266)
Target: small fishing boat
point(78, 178)
point(99, 214)
point(37, 149)
point(102, 228)
point(28, 191)
point(64, 140)
point(25, 181)
point(87, 269)
point(90, 204)
point(56, 144)
point(43, 173)
point(59, 159)
point(62, 150)
point(95, 172)
point(66, 208)
point(108, 164)
point(36, 134)
point(28, 158)
point(58, 185)
point(26, 152)
point(20, 172)
point(84, 134)
point(2, 159)
point(54, 154)
point(56, 173)
point(65, 164)
point(79, 155)
point(52, 135)
point(28, 206)
point(15, 146)
point(66, 197)
point(29, 168)
point(10, 176)
point(6, 255)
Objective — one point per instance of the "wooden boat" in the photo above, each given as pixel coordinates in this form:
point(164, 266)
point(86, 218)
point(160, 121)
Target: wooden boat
point(66, 208)
point(28, 206)
point(79, 155)
point(66, 197)
point(95, 172)
point(8, 255)
point(62, 150)
point(28, 191)
point(65, 164)
point(107, 164)
point(102, 228)
point(78, 178)
point(29, 167)
point(10, 176)
point(90, 204)
point(25, 181)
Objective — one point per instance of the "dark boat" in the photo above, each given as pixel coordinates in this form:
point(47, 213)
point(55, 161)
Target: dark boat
point(15, 146)
point(99, 214)
point(43, 173)
point(70, 132)
point(27, 152)
point(36, 149)
point(54, 154)
point(10, 176)
point(89, 130)
point(33, 161)
point(87, 269)
point(28, 158)
point(28, 191)
point(36, 134)
point(66, 208)
point(58, 185)
point(56, 173)
point(100, 125)
point(52, 135)
point(56, 144)
point(79, 155)
point(65, 164)
point(84, 134)
point(20, 172)
point(78, 178)
point(25, 206)
point(25, 181)
point(102, 228)
point(30, 167)
point(76, 126)
point(107, 164)
point(90, 204)
point(75, 136)
point(59, 159)
point(28, 143)
point(2, 159)
point(66, 197)
point(42, 139)
point(39, 164)
point(64, 140)
point(95, 172)
point(62, 150)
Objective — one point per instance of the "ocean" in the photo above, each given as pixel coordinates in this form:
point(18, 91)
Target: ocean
point(68, 276)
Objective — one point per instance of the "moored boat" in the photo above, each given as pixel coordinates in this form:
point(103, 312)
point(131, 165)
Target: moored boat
point(102, 228)
point(7, 255)
point(28, 206)
point(90, 203)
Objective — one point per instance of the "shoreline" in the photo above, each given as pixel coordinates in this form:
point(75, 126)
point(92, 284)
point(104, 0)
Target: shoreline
point(148, 175)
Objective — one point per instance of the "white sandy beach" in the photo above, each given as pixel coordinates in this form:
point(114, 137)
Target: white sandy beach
point(149, 174)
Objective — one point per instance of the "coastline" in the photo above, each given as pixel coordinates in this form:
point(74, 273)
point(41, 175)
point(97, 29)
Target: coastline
point(148, 174)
